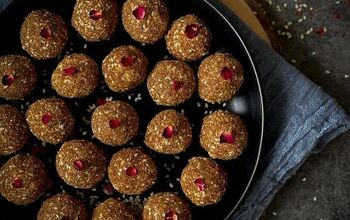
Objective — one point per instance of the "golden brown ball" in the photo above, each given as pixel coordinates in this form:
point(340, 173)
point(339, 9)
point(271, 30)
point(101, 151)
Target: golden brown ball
point(50, 120)
point(189, 38)
point(113, 209)
point(132, 171)
point(115, 123)
point(44, 34)
point(169, 132)
point(81, 164)
point(62, 206)
point(124, 68)
point(223, 135)
point(203, 181)
point(18, 77)
point(23, 179)
point(76, 76)
point(146, 21)
point(166, 205)
point(95, 20)
point(14, 132)
point(171, 82)
point(219, 77)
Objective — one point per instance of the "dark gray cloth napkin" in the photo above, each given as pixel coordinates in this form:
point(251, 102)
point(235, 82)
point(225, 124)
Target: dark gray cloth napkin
point(300, 117)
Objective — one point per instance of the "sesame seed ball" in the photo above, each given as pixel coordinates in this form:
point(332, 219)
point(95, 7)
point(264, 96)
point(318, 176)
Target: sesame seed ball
point(112, 209)
point(81, 164)
point(62, 207)
point(146, 21)
point(23, 179)
point(18, 76)
point(203, 181)
point(124, 68)
point(14, 131)
point(50, 120)
point(115, 123)
point(95, 20)
point(189, 38)
point(166, 205)
point(43, 34)
point(169, 132)
point(219, 77)
point(223, 135)
point(72, 72)
point(132, 171)
point(171, 82)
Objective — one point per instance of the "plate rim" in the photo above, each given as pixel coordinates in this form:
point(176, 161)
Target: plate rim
point(217, 11)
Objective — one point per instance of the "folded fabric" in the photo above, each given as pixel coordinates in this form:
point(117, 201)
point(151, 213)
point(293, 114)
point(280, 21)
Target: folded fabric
point(300, 118)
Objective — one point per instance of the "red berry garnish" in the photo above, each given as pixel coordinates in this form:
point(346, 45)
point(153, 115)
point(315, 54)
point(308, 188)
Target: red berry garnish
point(200, 184)
point(95, 14)
point(45, 119)
point(226, 137)
point(171, 215)
point(177, 85)
point(131, 171)
point(127, 61)
point(108, 189)
point(191, 30)
point(79, 165)
point(7, 80)
point(46, 33)
point(70, 71)
point(100, 102)
point(139, 12)
point(168, 132)
point(114, 123)
point(227, 73)
point(17, 183)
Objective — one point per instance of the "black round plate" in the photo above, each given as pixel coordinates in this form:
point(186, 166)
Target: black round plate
point(247, 103)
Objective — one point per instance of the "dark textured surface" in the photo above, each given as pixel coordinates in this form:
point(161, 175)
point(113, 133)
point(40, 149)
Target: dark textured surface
point(320, 189)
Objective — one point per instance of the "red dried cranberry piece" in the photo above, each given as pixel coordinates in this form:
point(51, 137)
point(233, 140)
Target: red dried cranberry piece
point(114, 123)
point(7, 80)
point(171, 215)
point(127, 60)
point(200, 184)
point(17, 183)
point(177, 85)
point(46, 119)
point(70, 71)
point(192, 30)
point(100, 102)
point(96, 14)
point(108, 189)
point(131, 171)
point(46, 33)
point(168, 132)
point(79, 165)
point(227, 73)
point(139, 12)
point(226, 137)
